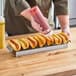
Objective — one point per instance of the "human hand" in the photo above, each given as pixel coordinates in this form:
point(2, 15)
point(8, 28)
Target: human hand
point(68, 32)
point(47, 26)
point(39, 28)
point(36, 26)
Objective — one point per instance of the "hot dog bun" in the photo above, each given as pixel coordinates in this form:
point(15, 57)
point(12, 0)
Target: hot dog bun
point(56, 40)
point(24, 43)
point(14, 43)
point(52, 39)
point(38, 40)
point(33, 43)
point(48, 39)
point(41, 40)
point(59, 39)
point(64, 37)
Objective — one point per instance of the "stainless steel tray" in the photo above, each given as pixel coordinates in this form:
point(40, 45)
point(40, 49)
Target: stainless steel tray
point(37, 50)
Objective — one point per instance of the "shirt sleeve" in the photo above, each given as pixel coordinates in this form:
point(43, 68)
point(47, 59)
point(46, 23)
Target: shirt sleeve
point(61, 7)
point(19, 5)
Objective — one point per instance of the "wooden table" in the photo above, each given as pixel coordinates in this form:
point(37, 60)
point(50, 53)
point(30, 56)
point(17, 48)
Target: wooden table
point(58, 63)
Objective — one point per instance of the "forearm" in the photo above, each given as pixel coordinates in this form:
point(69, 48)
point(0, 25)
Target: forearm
point(64, 21)
point(61, 11)
point(26, 14)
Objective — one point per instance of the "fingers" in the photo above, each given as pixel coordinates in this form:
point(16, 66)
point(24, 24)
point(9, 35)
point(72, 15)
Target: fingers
point(36, 26)
point(47, 31)
point(39, 28)
point(68, 33)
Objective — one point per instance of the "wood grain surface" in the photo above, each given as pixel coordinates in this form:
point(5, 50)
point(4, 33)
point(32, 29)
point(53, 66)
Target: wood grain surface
point(54, 63)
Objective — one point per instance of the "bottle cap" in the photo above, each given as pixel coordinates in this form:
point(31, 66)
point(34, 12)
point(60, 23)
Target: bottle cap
point(2, 20)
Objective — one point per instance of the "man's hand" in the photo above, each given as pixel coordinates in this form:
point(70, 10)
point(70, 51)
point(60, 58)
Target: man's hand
point(64, 22)
point(38, 28)
point(67, 31)
point(35, 25)
point(49, 27)
point(26, 13)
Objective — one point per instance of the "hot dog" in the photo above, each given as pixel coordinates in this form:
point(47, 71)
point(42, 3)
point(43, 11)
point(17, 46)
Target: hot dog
point(33, 43)
point(59, 39)
point(14, 43)
point(48, 39)
point(24, 43)
point(41, 40)
point(64, 37)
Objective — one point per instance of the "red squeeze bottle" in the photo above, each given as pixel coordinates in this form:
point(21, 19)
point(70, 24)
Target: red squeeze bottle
point(39, 18)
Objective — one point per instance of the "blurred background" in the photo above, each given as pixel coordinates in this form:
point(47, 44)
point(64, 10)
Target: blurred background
point(72, 13)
